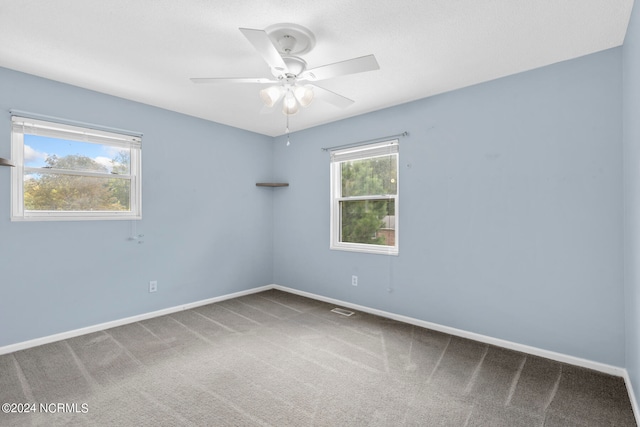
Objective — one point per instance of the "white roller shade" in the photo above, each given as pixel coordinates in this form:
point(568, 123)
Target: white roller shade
point(369, 150)
point(74, 133)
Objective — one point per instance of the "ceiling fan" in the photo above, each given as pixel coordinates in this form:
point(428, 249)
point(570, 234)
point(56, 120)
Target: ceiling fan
point(292, 82)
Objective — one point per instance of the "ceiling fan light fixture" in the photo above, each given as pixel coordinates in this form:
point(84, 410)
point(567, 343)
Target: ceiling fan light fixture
point(271, 95)
point(304, 95)
point(290, 106)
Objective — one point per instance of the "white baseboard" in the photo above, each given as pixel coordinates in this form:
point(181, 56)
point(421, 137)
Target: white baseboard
point(112, 324)
point(597, 366)
point(632, 396)
point(601, 367)
point(608, 369)
point(559, 357)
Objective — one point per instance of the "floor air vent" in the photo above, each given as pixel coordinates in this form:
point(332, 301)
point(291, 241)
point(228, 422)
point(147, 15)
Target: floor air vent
point(342, 311)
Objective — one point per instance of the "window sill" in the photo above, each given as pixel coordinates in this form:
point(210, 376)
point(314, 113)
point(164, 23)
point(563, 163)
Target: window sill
point(79, 217)
point(363, 248)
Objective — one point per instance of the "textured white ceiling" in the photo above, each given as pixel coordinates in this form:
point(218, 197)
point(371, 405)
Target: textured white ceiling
point(146, 50)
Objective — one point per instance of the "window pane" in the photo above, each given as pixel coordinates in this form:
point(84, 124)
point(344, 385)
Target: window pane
point(373, 176)
point(368, 221)
point(48, 152)
point(57, 192)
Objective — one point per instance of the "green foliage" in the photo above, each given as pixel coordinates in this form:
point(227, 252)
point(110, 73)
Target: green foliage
point(361, 219)
point(62, 192)
point(121, 188)
point(375, 176)
point(74, 162)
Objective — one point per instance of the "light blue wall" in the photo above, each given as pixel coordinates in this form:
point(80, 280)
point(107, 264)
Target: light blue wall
point(207, 227)
point(510, 212)
point(631, 115)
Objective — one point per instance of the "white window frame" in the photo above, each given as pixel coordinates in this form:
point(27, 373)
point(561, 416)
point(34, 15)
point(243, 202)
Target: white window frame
point(358, 153)
point(23, 125)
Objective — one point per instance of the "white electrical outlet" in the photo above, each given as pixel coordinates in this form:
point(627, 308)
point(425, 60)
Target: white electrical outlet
point(354, 280)
point(153, 286)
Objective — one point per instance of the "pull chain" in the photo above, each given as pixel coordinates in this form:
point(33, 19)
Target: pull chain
point(287, 130)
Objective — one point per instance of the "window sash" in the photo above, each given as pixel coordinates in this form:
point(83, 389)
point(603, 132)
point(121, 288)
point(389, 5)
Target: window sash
point(343, 202)
point(57, 171)
point(360, 153)
point(22, 126)
point(372, 197)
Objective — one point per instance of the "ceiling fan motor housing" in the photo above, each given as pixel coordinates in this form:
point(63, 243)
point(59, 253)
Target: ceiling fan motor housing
point(291, 39)
point(287, 43)
point(295, 66)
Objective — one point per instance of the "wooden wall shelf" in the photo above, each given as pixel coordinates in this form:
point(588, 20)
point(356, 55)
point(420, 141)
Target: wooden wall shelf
point(272, 184)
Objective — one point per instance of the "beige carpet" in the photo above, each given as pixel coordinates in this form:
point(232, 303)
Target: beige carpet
point(277, 359)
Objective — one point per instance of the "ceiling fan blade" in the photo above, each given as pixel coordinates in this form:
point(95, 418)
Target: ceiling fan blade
point(232, 80)
point(263, 44)
point(350, 66)
point(331, 97)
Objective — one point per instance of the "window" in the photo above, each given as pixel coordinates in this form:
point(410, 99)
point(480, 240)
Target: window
point(364, 198)
point(66, 172)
